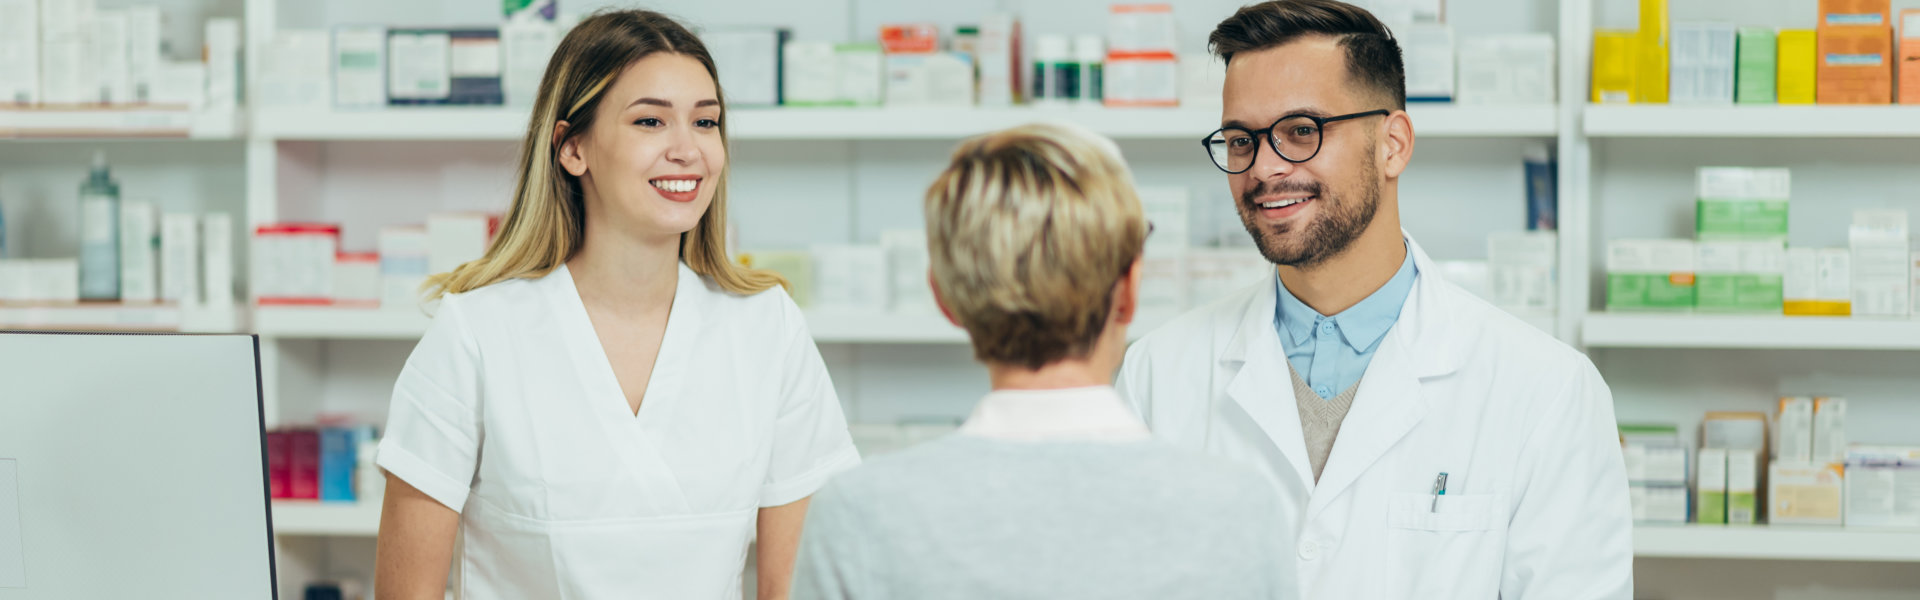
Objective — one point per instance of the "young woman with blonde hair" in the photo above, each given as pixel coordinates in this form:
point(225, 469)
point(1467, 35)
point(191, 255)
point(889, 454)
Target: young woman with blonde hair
point(605, 406)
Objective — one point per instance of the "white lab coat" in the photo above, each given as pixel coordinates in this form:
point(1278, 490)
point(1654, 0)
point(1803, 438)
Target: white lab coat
point(1536, 504)
point(509, 412)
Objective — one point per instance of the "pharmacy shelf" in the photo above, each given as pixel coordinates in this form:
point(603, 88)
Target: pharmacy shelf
point(1627, 330)
point(509, 124)
point(1778, 542)
point(42, 124)
point(122, 317)
point(309, 517)
point(1756, 121)
point(339, 323)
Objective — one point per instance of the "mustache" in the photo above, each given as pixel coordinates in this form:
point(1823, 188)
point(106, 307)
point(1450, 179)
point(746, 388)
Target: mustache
point(1280, 187)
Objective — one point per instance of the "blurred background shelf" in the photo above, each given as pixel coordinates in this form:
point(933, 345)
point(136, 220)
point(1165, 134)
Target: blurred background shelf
point(311, 517)
point(110, 122)
point(1756, 121)
point(1617, 330)
point(122, 317)
point(508, 124)
point(1776, 543)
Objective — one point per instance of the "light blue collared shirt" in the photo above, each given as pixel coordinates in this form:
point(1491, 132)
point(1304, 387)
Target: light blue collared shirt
point(1331, 353)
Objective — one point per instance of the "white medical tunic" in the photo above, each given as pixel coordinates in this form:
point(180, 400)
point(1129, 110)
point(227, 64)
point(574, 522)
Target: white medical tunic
point(509, 412)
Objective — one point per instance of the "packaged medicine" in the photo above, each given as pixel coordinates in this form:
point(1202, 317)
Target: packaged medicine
point(1756, 67)
point(525, 48)
point(1793, 430)
point(1743, 487)
point(1710, 487)
point(223, 63)
point(1740, 276)
point(20, 52)
point(1883, 486)
point(749, 61)
point(143, 51)
point(1729, 430)
point(180, 259)
point(1656, 463)
point(1142, 79)
point(139, 252)
point(934, 79)
point(1651, 72)
point(796, 267)
point(356, 280)
point(474, 67)
point(293, 263)
point(1133, 28)
point(850, 278)
point(912, 38)
point(1614, 58)
point(216, 266)
point(1909, 57)
point(1742, 203)
point(1701, 69)
point(1798, 60)
point(999, 60)
point(418, 67)
point(1805, 494)
point(907, 264)
point(293, 70)
point(1429, 61)
point(1056, 77)
point(1658, 503)
point(1878, 242)
point(811, 74)
point(1650, 275)
point(1507, 69)
point(862, 73)
point(403, 266)
point(1829, 429)
point(1521, 269)
point(1818, 282)
point(359, 67)
point(107, 52)
point(454, 239)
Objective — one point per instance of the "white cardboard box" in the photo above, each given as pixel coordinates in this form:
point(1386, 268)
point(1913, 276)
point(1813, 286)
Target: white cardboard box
point(216, 268)
point(139, 252)
point(359, 67)
point(180, 258)
point(453, 239)
point(1804, 494)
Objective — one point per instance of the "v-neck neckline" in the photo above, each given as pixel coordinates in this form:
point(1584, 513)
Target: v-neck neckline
point(595, 366)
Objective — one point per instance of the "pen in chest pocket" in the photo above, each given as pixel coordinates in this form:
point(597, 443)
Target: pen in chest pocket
point(1439, 489)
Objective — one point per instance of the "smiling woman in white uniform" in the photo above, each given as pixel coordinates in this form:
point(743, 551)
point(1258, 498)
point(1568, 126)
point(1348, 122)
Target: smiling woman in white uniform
point(605, 406)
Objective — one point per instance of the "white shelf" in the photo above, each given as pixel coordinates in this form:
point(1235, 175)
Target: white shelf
point(310, 517)
point(1756, 121)
point(510, 124)
point(1776, 543)
point(339, 323)
point(120, 122)
point(1628, 330)
point(122, 317)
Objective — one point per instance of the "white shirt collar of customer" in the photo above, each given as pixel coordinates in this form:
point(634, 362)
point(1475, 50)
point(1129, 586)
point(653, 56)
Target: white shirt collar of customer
point(1073, 414)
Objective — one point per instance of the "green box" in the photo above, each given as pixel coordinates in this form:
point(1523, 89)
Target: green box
point(1739, 292)
point(1650, 291)
point(1712, 509)
point(1722, 219)
point(1754, 69)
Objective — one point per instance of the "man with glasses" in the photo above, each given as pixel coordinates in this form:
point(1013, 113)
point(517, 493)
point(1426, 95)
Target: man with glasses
point(1425, 444)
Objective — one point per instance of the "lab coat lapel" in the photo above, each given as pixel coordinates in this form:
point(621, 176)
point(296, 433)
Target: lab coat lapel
point(1260, 384)
point(1390, 401)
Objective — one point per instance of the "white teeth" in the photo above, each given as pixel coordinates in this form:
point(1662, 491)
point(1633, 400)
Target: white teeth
point(676, 185)
point(1282, 203)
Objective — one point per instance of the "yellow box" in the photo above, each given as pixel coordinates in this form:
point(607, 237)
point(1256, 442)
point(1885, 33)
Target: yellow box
point(1798, 64)
point(1614, 58)
point(1650, 76)
point(1855, 65)
point(1909, 63)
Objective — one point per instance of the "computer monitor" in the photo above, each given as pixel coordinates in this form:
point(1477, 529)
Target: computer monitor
point(132, 466)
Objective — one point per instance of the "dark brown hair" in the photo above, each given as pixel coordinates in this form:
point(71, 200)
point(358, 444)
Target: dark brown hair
point(1373, 57)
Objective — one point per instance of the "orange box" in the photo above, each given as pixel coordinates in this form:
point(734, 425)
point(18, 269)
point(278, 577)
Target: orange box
point(1855, 65)
point(1909, 63)
point(913, 38)
point(1850, 13)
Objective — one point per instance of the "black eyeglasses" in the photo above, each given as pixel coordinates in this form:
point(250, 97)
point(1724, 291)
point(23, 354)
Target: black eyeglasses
point(1296, 138)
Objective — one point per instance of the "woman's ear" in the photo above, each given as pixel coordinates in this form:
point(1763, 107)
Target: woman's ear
point(571, 157)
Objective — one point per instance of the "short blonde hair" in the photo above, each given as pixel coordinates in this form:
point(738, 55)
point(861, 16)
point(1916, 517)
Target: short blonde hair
point(1029, 229)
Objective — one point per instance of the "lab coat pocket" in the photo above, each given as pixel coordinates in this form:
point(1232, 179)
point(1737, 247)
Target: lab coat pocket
point(1449, 549)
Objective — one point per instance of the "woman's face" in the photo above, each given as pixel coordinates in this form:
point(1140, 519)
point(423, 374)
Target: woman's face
point(650, 161)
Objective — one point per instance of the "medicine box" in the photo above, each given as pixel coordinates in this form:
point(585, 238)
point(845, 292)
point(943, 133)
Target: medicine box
point(223, 63)
point(293, 263)
point(40, 281)
point(1740, 276)
point(749, 61)
point(1736, 203)
point(1829, 429)
point(812, 74)
point(1818, 282)
point(930, 79)
point(1756, 68)
point(139, 252)
point(1650, 275)
point(1908, 62)
point(1142, 79)
point(1000, 60)
point(1703, 63)
point(907, 265)
point(1522, 270)
point(419, 66)
point(1506, 69)
point(1651, 73)
point(1882, 483)
point(1729, 430)
point(216, 267)
point(862, 73)
point(403, 266)
point(1878, 241)
point(1798, 73)
point(1141, 28)
point(1615, 55)
point(1855, 60)
point(294, 70)
point(1664, 504)
point(454, 239)
point(1851, 13)
point(910, 38)
point(356, 280)
point(1429, 61)
point(1805, 494)
point(20, 51)
point(850, 278)
point(180, 259)
point(1793, 430)
point(1710, 487)
point(1656, 463)
point(526, 46)
point(474, 67)
point(1743, 486)
point(359, 67)
point(795, 266)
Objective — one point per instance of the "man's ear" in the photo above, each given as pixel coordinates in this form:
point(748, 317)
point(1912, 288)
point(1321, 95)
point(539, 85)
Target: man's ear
point(1126, 295)
point(571, 158)
point(1396, 143)
point(941, 302)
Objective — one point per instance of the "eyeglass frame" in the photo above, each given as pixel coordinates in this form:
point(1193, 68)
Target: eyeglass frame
point(1320, 123)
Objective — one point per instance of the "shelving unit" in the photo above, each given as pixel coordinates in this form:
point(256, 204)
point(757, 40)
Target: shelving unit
point(748, 124)
point(89, 123)
point(314, 518)
point(1752, 121)
point(123, 317)
point(1614, 330)
point(1777, 542)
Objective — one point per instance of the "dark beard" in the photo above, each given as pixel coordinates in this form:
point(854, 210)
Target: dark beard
point(1342, 219)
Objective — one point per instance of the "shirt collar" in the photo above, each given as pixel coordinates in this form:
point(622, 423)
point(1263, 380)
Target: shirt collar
point(1078, 414)
point(1361, 325)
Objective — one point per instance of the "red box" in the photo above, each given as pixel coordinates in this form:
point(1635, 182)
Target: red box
point(917, 38)
point(303, 464)
point(279, 479)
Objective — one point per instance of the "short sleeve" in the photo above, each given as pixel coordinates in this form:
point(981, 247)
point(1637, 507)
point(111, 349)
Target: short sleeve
point(810, 438)
point(433, 434)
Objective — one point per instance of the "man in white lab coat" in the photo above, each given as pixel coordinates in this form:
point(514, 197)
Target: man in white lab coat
point(1426, 444)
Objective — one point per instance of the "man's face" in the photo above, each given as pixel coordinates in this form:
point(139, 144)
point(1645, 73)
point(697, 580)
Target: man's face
point(1300, 215)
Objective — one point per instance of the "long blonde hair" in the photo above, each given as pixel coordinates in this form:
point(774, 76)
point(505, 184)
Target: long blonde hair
point(546, 223)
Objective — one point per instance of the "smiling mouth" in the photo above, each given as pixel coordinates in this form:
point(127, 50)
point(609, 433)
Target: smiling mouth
point(676, 186)
point(1283, 203)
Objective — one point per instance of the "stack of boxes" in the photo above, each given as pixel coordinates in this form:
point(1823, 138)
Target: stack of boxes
point(1857, 54)
point(1732, 450)
point(302, 264)
point(1737, 263)
point(1881, 262)
point(1810, 445)
point(1657, 473)
point(329, 463)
